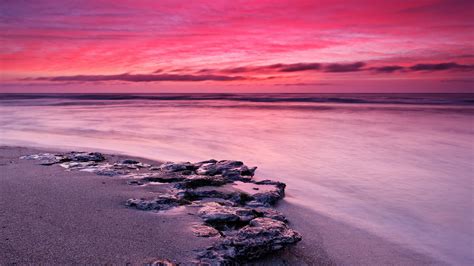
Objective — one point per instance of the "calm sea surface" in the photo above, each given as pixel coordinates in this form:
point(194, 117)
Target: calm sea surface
point(397, 165)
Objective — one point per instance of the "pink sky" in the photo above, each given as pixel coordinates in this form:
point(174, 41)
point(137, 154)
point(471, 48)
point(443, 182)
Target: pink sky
point(237, 46)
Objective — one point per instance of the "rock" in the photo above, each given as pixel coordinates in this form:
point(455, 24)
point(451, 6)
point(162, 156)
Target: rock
point(245, 171)
point(130, 161)
point(45, 158)
point(193, 195)
point(207, 169)
point(77, 165)
point(270, 213)
point(175, 167)
point(40, 156)
point(194, 181)
point(84, 157)
point(260, 237)
point(49, 162)
point(268, 197)
point(106, 172)
point(162, 202)
point(162, 262)
point(199, 164)
point(163, 177)
point(237, 197)
point(278, 184)
point(227, 168)
point(135, 182)
point(204, 231)
point(225, 216)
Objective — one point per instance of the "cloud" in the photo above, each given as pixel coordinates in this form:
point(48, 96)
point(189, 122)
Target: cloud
point(386, 69)
point(303, 84)
point(300, 67)
point(344, 67)
point(440, 67)
point(142, 78)
point(252, 72)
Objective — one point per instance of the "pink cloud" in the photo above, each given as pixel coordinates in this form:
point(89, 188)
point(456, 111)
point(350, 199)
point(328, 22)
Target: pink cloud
point(101, 38)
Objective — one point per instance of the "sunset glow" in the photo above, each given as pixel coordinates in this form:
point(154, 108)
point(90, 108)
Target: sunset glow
point(236, 46)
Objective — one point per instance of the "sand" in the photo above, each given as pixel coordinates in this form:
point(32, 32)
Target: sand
point(52, 216)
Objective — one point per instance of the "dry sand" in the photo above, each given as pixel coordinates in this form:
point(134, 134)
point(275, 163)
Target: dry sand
point(52, 216)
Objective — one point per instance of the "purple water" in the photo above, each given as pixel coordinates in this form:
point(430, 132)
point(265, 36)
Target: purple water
point(399, 166)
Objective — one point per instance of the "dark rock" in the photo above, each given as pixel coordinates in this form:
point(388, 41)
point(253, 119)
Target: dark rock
point(236, 197)
point(194, 195)
point(233, 170)
point(194, 181)
point(278, 184)
point(84, 157)
point(176, 167)
point(162, 262)
point(109, 172)
point(205, 231)
point(49, 162)
point(245, 171)
point(199, 164)
point(225, 217)
point(260, 237)
point(135, 182)
point(270, 213)
point(268, 197)
point(162, 202)
point(130, 161)
point(164, 177)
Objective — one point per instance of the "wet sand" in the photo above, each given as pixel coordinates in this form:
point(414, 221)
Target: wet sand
point(52, 216)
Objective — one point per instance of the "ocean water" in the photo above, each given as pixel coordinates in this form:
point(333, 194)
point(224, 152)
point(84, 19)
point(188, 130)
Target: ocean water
point(397, 165)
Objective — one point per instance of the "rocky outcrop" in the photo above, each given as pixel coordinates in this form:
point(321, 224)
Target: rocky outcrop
point(230, 169)
point(260, 237)
point(202, 230)
point(232, 207)
point(162, 202)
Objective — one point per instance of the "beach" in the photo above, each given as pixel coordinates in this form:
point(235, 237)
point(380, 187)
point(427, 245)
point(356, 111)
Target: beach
point(52, 216)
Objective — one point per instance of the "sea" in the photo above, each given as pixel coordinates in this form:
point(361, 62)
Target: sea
point(397, 165)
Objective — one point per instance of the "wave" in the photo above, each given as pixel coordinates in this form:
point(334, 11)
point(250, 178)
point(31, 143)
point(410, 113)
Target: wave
point(424, 99)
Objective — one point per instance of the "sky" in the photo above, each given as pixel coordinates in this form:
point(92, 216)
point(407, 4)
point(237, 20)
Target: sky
point(236, 46)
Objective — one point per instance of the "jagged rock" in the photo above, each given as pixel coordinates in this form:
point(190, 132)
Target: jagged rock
point(204, 231)
point(130, 161)
point(162, 262)
point(77, 165)
point(199, 164)
point(40, 156)
point(163, 177)
point(135, 182)
point(278, 184)
point(45, 158)
point(260, 237)
point(198, 194)
point(162, 202)
point(194, 181)
point(231, 204)
point(106, 172)
point(270, 213)
point(227, 216)
point(176, 167)
point(49, 162)
point(268, 197)
point(84, 157)
point(227, 168)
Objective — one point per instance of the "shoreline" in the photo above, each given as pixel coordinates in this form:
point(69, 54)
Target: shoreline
point(80, 217)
